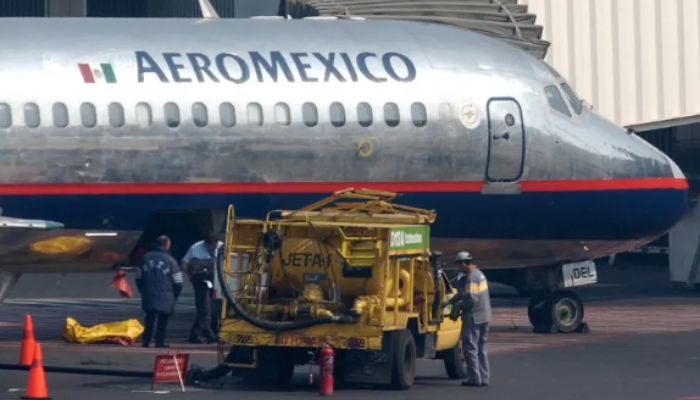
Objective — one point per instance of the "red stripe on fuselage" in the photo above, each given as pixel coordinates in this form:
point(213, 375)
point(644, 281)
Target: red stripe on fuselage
point(585, 185)
point(326, 187)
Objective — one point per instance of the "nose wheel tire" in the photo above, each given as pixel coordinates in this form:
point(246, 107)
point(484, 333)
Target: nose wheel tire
point(567, 311)
point(537, 311)
point(559, 311)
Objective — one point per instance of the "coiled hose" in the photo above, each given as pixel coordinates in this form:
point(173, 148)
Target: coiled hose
point(272, 325)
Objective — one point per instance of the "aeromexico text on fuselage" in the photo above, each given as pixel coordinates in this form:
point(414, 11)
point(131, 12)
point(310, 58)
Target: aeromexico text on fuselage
point(274, 66)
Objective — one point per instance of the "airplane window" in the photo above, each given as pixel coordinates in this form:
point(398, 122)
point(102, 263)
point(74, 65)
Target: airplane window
point(364, 114)
point(418, 114)
point(227, 113)
point(556, 101)
point(337, 114)
point(282, 114)
point(574, 101)
point(60, 115)
point(310, 114)
point(445, 112)
point(88, 115)
point(5, 115)
point(200, 115)
point(255, 114)
point(171, 112)
point(116, 115)
point(391, 114)
point(31, 115)
point(144, 116)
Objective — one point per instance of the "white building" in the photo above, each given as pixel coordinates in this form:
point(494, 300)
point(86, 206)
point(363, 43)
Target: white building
point(636, 61)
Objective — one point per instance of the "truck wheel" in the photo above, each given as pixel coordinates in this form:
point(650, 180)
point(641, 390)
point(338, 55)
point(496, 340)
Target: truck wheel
point(454, 362)
point(403, 353)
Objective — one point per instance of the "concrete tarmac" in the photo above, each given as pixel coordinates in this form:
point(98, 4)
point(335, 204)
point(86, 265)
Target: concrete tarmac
point(643, 344)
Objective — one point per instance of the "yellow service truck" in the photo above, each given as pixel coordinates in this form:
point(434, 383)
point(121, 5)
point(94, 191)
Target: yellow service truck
point(353, 271)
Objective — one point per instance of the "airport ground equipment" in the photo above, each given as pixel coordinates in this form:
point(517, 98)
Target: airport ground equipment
point(684, 248)
point(353, 271)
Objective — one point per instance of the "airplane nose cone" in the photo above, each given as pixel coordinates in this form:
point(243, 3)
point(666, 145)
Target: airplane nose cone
point(666, 201)
point(677, 173)
point(663, 198)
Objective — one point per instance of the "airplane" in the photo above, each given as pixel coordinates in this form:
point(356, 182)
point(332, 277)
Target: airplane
point(125, 129)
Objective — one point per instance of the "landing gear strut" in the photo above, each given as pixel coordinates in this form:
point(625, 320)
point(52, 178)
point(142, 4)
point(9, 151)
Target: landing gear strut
point(556, 311)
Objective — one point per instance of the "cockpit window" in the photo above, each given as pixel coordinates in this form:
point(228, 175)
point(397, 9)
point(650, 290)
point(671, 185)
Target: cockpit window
point(574, 101)
point(556, 101)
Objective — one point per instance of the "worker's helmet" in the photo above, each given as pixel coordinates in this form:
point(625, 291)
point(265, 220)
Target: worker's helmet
point(463, 256)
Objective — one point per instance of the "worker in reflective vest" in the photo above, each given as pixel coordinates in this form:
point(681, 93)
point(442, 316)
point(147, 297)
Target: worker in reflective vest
point(474, 304)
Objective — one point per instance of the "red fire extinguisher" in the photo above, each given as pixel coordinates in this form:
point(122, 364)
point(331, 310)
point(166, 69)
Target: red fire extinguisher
point(325, 366)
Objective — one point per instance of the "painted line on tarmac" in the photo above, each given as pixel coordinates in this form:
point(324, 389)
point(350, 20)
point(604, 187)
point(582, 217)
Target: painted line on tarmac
point(83, 371)
point(152, 391)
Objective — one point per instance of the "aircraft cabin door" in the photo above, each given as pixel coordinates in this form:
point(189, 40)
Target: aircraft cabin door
point(506, 151)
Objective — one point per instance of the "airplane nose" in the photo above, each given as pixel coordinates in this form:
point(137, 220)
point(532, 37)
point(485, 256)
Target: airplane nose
point(665, 201)
point(677, 173)
point(678, 198)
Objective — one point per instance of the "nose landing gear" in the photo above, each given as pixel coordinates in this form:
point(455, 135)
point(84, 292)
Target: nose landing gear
point(556, 311)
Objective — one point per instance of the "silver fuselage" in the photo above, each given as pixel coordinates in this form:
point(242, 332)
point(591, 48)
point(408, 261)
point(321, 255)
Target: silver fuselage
point(491, 148)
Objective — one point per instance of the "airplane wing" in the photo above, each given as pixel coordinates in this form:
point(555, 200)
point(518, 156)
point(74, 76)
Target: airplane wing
point(7, 222)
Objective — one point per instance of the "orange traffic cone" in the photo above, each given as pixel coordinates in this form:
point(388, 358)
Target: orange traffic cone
point(36, 387)
point(26, 353)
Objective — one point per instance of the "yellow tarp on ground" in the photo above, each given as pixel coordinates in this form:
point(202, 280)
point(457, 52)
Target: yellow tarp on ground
point(128, 330)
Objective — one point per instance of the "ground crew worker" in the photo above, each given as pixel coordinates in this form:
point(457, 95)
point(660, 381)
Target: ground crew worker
point(160, 284)
point(474, 303)
point(200, 264)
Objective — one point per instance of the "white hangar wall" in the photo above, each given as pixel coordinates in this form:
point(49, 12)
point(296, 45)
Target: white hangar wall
point(636, 61)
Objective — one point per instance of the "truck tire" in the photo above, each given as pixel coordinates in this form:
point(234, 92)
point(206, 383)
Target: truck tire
point(454, 362)
point(403, 355)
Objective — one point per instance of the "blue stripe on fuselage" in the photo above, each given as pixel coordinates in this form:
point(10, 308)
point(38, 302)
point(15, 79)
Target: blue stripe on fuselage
point(589, 215)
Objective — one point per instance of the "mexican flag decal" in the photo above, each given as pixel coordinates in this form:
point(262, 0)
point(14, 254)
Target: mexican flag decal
point(91, 74)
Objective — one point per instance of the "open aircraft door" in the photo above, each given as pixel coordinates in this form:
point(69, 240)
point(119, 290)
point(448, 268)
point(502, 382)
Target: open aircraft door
point(506, 152)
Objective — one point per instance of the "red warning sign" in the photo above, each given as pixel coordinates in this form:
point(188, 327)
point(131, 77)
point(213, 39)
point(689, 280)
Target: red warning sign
point(170, 368)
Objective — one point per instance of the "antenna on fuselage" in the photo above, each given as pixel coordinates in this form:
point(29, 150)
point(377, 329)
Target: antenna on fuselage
point(208, 11)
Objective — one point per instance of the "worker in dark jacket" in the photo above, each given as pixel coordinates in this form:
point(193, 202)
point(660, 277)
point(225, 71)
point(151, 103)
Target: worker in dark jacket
point(160, 285)
point(474, 304)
